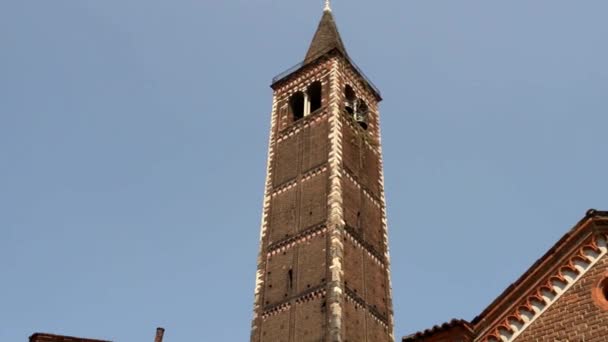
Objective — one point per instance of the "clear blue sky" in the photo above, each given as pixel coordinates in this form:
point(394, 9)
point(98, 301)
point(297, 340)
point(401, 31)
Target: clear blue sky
point(133, 140)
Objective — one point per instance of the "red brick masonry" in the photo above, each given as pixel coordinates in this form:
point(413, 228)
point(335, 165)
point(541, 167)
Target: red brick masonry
point(579, 313)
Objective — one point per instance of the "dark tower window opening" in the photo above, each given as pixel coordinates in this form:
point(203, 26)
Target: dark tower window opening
point(356, 107)
point(349, 99)
point(361, 113)
point(296, 104)
point(315, 96)
point(605, 290)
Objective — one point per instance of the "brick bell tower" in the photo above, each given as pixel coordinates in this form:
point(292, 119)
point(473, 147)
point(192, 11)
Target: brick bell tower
point(323, 266)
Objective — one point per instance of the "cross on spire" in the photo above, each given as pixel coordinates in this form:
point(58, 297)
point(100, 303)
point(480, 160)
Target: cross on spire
point(327, 6)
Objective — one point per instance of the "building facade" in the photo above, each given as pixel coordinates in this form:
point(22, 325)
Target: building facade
point(323, 266)
point(562, 297)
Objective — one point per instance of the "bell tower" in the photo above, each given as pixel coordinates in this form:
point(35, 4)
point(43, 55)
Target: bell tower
point(323, 266)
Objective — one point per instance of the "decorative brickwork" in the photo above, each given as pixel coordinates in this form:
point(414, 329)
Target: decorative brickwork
point(565, 289)
point(558, 299)
point(573, 317)
point(323, 268)
point(599, 292)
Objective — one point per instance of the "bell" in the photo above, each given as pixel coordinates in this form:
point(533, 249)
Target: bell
point(361, 119)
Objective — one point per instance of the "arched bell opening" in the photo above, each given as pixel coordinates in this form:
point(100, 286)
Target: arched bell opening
point(356, 107)
point(315, 96)
point(296, 105)
point(361, 113)
point(349, 99)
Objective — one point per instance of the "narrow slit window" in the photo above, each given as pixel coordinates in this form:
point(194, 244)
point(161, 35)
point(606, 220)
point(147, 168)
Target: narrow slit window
point(290, 279)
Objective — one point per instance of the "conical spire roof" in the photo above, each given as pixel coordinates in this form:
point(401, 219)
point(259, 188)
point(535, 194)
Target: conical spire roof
point(326, 38)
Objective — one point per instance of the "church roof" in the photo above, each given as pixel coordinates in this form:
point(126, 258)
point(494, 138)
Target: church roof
point(325, 39)
point(452, 330)
point(43, 337)
point(558, 269)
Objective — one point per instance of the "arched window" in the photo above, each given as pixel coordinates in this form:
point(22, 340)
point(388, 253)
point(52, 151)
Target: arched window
point(349, 99)
point(356, 107)
point(361, 113)
point(296, 105)
point(600, 293)
point(315, 96)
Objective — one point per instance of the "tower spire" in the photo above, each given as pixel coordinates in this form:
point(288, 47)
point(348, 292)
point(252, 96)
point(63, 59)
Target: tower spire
point(327, 36)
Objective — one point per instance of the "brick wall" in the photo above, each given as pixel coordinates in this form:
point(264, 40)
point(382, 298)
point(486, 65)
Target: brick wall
point(277, 273)
point(353, 263)
point(354, 322)
point(310, 321)
point(375, 285)
point(294, 250)
point(313, 203)
point(376, 331)
point(283, 216)
point(311, 271)
point(371, 219)
point(575, 316)
point(276, 328)
point(296, 296)
point(286, 165)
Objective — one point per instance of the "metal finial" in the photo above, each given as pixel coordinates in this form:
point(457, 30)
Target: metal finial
point(327, 6)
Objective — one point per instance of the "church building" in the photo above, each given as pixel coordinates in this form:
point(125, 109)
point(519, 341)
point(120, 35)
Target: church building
point(562, 297)
point(323, 268)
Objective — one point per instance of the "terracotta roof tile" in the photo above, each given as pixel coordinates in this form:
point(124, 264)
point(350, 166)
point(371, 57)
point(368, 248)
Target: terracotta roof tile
point(42, 337)
point(454, 323)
